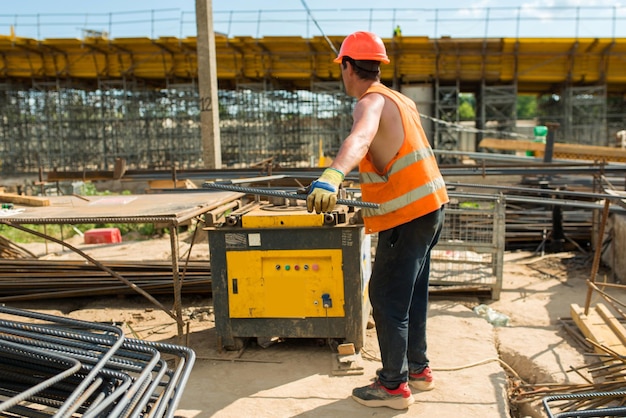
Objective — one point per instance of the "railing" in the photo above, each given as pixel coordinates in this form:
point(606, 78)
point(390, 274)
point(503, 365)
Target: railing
point(471, 22)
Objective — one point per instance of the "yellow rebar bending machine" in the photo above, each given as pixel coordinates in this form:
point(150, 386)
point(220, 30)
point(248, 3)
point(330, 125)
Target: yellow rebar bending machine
point(279, 271)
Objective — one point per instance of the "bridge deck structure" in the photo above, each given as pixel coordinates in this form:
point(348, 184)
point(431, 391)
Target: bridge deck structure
point(535, 65)
point(69, 103)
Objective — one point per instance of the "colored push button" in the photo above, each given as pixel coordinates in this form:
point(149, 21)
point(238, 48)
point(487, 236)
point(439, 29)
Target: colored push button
point(327, 301)
point(287, 267)
point(315, 267)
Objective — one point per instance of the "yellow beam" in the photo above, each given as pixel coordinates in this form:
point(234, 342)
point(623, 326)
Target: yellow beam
point(536, 64)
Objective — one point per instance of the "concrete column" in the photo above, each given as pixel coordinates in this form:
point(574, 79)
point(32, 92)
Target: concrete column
point(207, 81)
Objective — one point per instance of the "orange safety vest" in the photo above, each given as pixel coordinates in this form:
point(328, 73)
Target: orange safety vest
point(411, 184)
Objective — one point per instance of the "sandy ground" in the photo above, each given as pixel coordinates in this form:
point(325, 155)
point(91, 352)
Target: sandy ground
point(294, 378)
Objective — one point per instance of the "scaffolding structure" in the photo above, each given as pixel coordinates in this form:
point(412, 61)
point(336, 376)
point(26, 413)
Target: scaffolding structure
point(71, 104)
point(293, 128)
point(499, 107)
point(64, 126)
point(447, 110)
point(585, 110)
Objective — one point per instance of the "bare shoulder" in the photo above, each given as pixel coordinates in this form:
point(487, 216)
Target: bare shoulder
point(389, 137)
point(372, 100)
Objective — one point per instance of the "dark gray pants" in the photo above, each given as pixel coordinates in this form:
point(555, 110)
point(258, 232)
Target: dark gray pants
point(398, 291)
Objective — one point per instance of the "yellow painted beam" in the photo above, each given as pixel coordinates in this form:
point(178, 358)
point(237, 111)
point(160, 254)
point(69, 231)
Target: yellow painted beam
point(536, 64)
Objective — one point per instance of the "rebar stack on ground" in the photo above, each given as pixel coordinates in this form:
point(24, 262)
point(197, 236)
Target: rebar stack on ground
point(590, 398)
point(602, 395)
point(9, 250)
point(52, 366)
point(33, 279)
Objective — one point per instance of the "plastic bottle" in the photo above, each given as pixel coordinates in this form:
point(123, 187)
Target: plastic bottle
point(495, 318)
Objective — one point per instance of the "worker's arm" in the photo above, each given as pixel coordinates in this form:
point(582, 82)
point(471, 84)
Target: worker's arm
point(367, 113)
point(323, 191)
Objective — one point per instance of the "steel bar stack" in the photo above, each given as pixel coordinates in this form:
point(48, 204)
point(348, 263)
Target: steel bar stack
point(602, 395)
point(52, 366)
point(594, 398)
point(29, 279)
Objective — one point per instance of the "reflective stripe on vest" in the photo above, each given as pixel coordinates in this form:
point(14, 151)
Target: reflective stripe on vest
point(407, 198)
point(401, 163)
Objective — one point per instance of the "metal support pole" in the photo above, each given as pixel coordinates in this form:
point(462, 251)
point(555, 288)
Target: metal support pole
point(549, 150)
point(598, 255)
point(178, 311)
point(558, 234)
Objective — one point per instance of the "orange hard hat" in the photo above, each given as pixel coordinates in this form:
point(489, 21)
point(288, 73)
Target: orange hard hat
point(363, 46)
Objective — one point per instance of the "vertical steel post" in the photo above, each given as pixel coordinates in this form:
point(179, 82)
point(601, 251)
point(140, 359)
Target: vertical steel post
point(549, 150)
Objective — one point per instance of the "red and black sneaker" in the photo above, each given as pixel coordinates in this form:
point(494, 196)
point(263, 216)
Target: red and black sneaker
point(422, 380)
point(378, 395)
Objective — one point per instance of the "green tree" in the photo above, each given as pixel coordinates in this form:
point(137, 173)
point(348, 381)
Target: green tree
point(526, 106)
point(466, 110)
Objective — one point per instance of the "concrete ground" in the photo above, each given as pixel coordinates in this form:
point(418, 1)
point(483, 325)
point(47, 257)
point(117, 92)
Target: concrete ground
point(294, 379)
point(471, 359)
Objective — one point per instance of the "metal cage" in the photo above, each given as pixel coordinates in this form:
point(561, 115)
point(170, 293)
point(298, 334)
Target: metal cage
point(470, 253)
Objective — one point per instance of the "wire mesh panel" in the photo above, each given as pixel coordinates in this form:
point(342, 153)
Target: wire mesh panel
point(294, 128)
point(55, 125)
point(470, 252)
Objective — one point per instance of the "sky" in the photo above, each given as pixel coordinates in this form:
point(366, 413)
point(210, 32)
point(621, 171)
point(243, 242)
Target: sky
point(40, 19)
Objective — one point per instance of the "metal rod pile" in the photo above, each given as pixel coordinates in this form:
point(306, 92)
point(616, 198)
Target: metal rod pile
point(27, 279)
point(53, 366)
point(602, 395)
point(590, 398)
point(9, 249)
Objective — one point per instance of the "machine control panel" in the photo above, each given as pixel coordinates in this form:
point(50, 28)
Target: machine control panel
point(285, 283)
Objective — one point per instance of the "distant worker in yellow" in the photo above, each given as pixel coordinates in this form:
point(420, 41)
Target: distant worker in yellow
point(398, 170)
point(397, 32)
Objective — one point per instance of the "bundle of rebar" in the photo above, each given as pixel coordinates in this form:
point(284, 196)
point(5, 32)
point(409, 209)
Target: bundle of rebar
point(601, 395)
point(9, 249)
point(28, 279)
point(52, 366)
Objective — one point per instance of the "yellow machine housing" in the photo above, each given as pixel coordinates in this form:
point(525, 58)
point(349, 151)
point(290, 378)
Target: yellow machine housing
point(283, 272)
point(288, 284)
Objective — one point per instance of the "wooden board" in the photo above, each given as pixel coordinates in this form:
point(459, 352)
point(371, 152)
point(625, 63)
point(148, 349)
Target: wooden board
point(596, 328)
point(613, 323)
point(169, 184)
point(24, 200)
point(561, 151)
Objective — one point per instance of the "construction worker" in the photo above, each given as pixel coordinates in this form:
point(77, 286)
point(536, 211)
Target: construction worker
point(397, 170)
point(397, 32)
